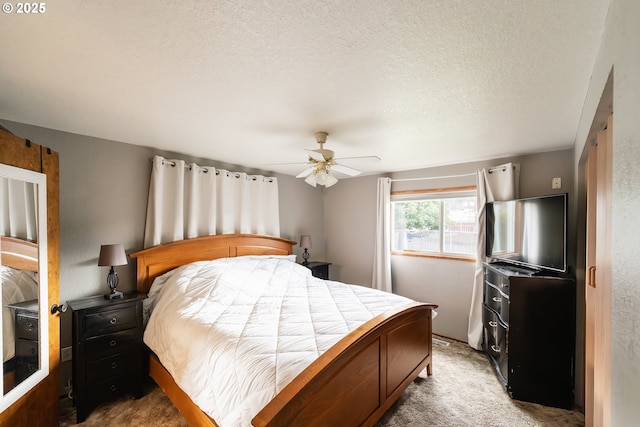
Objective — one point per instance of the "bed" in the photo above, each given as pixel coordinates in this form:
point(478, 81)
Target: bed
point(18, 276)
point(353, 382)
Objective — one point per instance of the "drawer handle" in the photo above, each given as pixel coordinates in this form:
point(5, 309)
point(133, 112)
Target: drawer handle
point(33, 351)
point(497, 299)
point(113, 387)
point(114, 365)
point(113, 343)
point(494, 348)
point(30, 327)
point(113, 320)
point(493, 323)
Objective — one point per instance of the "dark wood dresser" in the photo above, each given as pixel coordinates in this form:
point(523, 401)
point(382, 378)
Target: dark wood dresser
point(529, 333)
point(108, 353)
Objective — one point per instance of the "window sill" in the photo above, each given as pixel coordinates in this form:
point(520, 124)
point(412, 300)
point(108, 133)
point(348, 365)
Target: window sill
point(433, 255)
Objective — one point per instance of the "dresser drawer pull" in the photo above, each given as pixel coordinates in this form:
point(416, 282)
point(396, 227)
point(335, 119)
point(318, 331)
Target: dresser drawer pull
point(114, 365)
point(113, 387)
point(113, 343)
point(113, 320)
point(497, 299)
point(493, 323)
point(30, 327)
point(495, 348)
point(33, 351)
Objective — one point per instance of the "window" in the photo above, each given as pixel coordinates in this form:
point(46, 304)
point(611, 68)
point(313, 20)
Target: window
point(435, 222)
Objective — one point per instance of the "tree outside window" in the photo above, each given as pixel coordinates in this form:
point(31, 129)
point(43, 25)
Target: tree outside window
point(436, 225)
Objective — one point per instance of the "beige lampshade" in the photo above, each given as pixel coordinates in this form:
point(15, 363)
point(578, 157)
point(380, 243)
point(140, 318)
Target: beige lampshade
point(111, 255)
point(305, 241)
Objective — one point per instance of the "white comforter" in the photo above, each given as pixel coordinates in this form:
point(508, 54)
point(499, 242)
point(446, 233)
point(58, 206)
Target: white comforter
point(233, 332)
point(17, 286)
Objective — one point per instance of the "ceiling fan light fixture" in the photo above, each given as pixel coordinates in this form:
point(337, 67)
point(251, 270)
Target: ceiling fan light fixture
point(321, 176)
point(311, 180)
point(330, 180)
point(321, 161)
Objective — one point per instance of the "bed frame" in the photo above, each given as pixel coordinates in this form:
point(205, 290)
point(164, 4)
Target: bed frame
point(352, 383)
point(19, 254)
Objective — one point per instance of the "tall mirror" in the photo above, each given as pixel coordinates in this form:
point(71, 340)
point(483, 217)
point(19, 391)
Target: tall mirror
point(23, 278)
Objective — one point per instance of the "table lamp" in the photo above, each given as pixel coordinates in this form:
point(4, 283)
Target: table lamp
point(112, 255)
point(305, 243)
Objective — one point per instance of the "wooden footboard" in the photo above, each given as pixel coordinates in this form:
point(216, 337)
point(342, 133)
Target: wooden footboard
point(359, 378)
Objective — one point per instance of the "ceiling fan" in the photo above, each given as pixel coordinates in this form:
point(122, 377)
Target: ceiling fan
point(322, 161)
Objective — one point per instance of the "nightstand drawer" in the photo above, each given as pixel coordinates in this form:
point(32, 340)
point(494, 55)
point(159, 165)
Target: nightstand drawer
point(26, 326)
point(112, 320)
point(104, 345)
point(27, 350)
point(113, 366)
point(110, 388)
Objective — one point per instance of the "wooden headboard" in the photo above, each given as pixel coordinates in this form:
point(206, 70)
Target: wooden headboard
point(18, 254)
point(157, 260)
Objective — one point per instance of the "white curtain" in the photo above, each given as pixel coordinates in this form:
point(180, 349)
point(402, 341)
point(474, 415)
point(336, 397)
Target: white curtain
point(187, 201)
point(497, 183)
point(382, 252)
point(18, 209)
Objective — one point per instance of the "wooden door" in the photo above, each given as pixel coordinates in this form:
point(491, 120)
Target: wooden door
point(598, 281)
point(40, 405)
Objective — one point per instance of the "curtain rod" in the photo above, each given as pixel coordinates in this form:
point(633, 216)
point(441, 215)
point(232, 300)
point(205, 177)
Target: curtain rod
point(432, 177)
point(499, 168)
point(205, 170)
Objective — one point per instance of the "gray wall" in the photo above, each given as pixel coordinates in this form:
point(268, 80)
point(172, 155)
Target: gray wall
point(619, 54)
point(103, 199)
point(350, 222)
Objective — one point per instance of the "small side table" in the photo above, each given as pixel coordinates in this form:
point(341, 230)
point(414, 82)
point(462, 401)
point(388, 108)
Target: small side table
point(26, 339)
point(319, 269)
point(108, 353)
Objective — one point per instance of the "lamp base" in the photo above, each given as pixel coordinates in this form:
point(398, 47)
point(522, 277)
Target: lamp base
point(113, 295)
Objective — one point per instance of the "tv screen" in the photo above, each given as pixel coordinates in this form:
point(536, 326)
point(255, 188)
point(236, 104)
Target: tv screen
point(529, 232)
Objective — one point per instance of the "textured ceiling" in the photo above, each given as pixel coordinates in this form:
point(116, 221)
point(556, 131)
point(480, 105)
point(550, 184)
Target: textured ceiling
point(417, 83)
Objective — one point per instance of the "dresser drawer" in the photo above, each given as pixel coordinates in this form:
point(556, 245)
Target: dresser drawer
point(105, 345)
point(497, 300)
point(114, 366)
point(26, 326)
point(499, 281)
point(495, 341)
point(110, 320)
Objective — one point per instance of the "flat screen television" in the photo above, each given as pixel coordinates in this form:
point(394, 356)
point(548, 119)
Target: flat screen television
point(531, 232)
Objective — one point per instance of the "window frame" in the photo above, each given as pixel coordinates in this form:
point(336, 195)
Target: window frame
point(432, 194)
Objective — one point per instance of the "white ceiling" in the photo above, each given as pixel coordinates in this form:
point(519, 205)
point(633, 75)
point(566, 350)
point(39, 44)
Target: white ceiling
point(418, 83)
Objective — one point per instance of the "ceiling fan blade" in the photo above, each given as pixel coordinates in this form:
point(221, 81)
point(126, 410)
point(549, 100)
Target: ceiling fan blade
point(306, 172)
point(345, 170)
point(315, 155)
point(370, 158)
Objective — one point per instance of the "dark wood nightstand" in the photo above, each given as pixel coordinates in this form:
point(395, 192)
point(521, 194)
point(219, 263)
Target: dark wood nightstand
point(108, 353)
point(319, 269)
point(26, 338)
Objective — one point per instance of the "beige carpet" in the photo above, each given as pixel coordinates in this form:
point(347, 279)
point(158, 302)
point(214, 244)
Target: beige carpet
point(463, 391)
